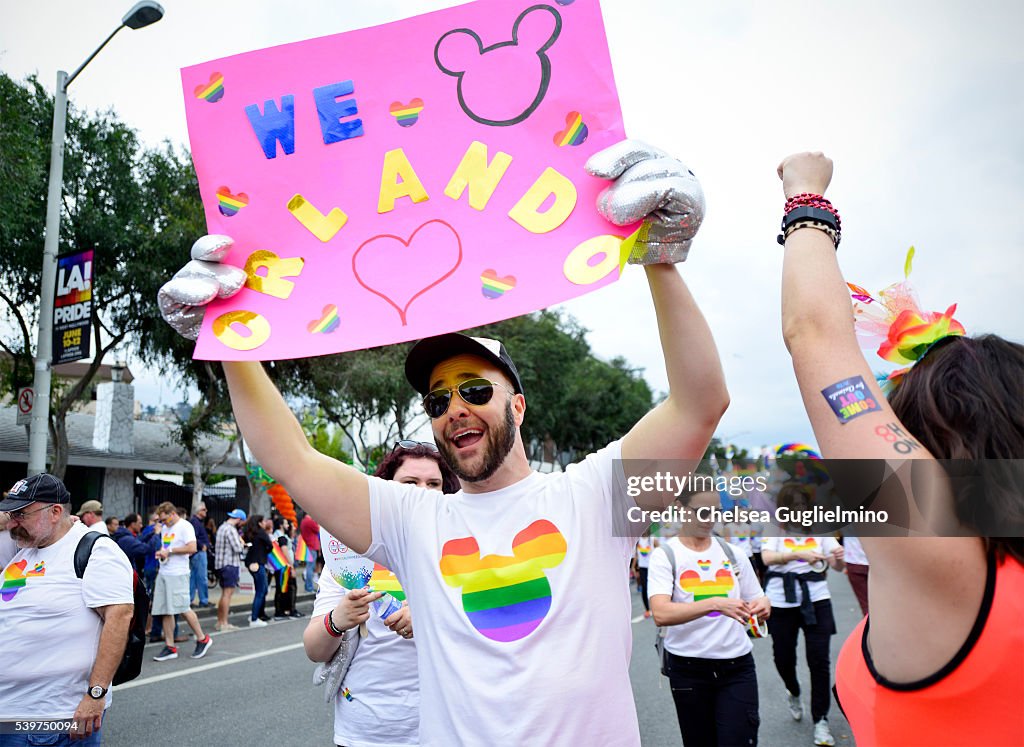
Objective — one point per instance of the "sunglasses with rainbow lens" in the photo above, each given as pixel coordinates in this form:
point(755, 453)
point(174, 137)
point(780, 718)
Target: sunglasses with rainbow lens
point(475, 392)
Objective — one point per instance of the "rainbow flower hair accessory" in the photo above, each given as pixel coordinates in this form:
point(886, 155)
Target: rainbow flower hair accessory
point(895, 323)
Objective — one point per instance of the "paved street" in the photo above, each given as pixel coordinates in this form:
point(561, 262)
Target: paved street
point(254, 688)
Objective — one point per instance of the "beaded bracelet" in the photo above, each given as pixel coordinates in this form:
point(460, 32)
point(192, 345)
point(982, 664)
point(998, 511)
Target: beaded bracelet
point(332, 631)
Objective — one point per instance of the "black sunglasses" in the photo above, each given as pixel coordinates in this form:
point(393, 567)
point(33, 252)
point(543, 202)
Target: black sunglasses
point(473, 391)
point(407, 444)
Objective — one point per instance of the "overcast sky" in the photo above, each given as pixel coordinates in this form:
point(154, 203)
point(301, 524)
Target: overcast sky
point(918, 103)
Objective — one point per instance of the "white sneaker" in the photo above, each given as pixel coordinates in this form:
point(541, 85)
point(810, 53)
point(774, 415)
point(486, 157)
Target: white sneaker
point(795, 709)
point(822, 734)
point(257, 624)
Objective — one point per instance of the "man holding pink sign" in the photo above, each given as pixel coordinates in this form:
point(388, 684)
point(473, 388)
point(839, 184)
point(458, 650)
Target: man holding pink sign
point(508, 578)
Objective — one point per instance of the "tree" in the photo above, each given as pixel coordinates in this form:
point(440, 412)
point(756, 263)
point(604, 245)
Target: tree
point(119, 199)
point(601, 402)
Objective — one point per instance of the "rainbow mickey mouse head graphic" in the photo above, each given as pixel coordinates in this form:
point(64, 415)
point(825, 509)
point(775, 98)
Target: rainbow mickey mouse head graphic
point(719, 586)
point(505, 597)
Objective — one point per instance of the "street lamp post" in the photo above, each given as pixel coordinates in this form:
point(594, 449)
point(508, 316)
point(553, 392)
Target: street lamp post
point(142, 14)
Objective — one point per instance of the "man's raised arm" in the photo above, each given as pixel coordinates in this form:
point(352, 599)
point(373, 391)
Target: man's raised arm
point(658, 189)
point(334, 494)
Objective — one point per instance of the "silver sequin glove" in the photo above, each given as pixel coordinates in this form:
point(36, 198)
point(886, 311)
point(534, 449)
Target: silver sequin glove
point(182, 300)
point(655, 187)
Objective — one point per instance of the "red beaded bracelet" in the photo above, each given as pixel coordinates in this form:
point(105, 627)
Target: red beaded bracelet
point(810, 199)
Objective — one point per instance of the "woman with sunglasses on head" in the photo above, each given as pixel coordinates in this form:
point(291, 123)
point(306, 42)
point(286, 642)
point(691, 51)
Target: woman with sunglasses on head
point(940, 658)
point(378, 703)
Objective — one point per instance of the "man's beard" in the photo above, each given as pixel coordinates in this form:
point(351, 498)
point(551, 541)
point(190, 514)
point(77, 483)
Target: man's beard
point(499, 444)
point(22, 538)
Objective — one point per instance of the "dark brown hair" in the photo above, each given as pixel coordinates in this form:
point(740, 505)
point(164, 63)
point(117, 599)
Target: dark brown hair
point(965, 400)
point(389, 465)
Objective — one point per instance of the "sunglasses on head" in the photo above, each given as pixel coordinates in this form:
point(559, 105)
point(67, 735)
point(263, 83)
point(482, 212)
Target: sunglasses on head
point(407, 444)
point(473, 392)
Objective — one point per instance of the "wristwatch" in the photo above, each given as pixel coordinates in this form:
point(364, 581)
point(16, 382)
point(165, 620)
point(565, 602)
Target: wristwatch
point(96, 692)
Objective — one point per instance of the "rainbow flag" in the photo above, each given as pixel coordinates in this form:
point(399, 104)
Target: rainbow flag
point(301, 551)
point(277, 558)
point(285, 579)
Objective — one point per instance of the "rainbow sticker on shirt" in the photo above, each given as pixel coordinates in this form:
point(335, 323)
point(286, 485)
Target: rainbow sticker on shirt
point(505, 598)
point(167, 539)
point(704, 565)
point(643, 550)
point(808, 544)
point(15, 578)
point(384, 580)
point(720, 586)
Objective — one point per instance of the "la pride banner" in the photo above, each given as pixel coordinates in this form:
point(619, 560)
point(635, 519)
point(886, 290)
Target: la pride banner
point(405, 180)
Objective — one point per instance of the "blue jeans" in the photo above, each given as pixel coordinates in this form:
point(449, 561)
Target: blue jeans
point(259, 579)
point(197, 579)
point(30, 739)
point(307, 575)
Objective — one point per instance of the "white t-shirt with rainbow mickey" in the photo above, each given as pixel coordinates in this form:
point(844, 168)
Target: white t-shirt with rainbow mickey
point(520, 605)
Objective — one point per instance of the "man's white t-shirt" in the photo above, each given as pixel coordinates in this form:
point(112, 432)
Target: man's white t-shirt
point(520, 605)
point(48, 629)
point(644, 545)
point(792, 544)
point(698, 576)
point(171, 537)
point(382, 680)
point(100, 527)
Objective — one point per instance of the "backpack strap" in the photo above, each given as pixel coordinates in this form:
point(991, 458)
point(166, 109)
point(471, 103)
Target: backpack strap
point(84, 550)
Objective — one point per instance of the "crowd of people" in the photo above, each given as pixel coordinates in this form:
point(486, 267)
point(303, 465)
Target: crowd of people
point(516, 581)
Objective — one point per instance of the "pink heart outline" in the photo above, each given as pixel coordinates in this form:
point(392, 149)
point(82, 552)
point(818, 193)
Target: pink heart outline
point(402, 311)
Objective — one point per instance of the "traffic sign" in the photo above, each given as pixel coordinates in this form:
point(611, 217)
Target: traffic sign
point(26, 396)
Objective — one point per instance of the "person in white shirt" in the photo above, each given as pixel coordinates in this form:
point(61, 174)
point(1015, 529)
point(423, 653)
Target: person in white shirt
point(380, 701)
point(170, 594)
point(8, 547)
point(520, 571)
point(800, 598)
point(641, 564)
point(707, 595)
point(91, 514)
point(63, 636)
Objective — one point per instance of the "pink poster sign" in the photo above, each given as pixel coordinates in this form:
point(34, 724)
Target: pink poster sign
point(406, 180)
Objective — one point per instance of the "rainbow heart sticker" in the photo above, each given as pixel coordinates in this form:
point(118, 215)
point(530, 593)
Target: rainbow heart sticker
point(575, 132)
point(495, 287)
point(213, 91)
point(230, 204)
point(406, 114)
point(327, 323)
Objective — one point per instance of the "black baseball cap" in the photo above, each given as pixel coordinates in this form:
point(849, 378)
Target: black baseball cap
point(430, 351)
point(43, 487)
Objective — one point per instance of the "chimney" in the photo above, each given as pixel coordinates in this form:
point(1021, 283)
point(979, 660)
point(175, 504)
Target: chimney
point(115, 409)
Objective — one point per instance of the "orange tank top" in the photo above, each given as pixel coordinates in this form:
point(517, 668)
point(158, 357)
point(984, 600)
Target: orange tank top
point(976, 699)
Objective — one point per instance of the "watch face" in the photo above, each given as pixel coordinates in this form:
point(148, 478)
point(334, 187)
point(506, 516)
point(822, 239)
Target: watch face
point(96, 691)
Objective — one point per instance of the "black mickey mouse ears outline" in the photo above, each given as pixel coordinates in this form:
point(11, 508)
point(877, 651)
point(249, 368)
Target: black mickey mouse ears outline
point(545, 63)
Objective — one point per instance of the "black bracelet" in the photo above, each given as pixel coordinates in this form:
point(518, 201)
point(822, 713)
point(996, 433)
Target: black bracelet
point(803, 212)
point(333, 629)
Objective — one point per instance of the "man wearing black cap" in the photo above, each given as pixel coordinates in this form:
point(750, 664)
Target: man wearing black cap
point(63, 636)
point(524, 634)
